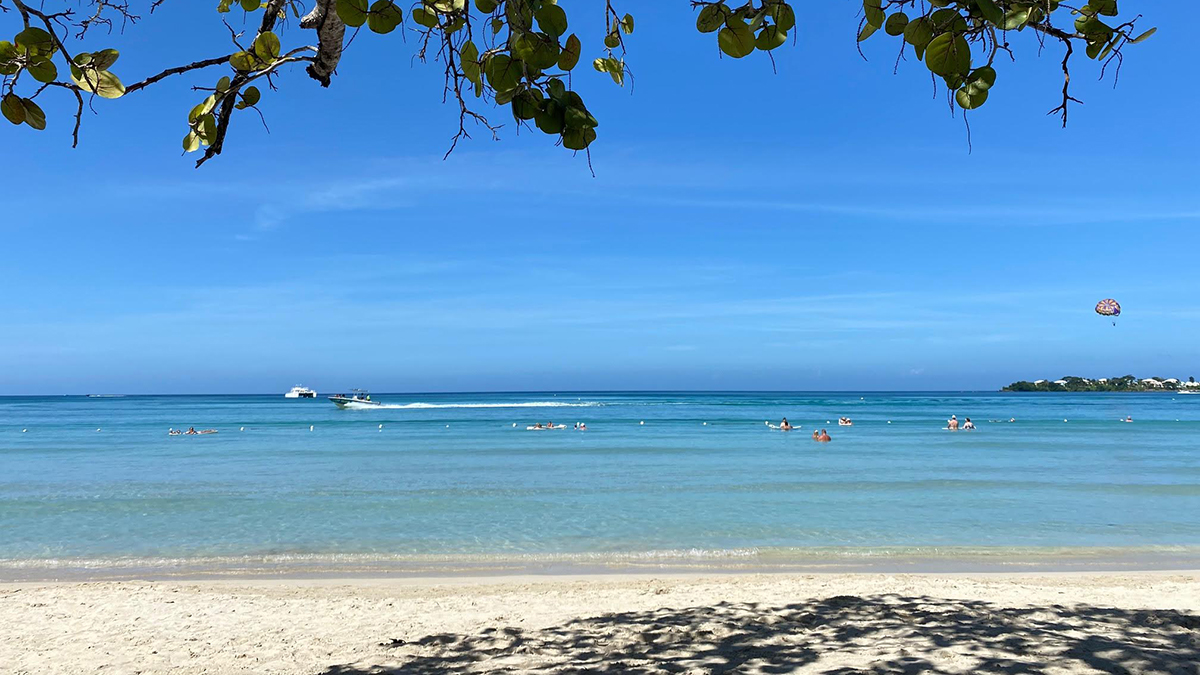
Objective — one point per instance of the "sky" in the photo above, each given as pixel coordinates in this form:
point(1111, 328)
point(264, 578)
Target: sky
point(822, 224)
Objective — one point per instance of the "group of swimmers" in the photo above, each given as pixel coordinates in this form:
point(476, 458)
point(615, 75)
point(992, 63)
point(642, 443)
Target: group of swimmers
point(953, 425)
point(579, 426)
point(821, 436)
point(190, 432)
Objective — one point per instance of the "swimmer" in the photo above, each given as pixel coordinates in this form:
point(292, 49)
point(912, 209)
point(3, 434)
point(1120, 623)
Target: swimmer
point(969, 425)
point(582, 426)
point(784, 425)
point(816, 435)
point(952, 425)
point(1128, 418)
point(824, 437)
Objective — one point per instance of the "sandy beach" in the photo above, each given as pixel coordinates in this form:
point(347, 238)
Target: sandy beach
point(823, 623)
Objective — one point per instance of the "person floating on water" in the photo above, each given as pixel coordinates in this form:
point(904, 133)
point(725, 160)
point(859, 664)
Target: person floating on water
point(969, 426)
point(785, 426)
point(845, 422)
point(824, 437)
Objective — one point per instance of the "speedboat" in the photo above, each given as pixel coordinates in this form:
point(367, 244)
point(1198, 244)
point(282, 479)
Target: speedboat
point(357, 398)
point(300, 392)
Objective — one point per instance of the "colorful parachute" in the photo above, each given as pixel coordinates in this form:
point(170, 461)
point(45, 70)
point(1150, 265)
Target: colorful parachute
point(1109, 307)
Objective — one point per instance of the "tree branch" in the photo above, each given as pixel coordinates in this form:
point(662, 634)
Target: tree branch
point(197, 65)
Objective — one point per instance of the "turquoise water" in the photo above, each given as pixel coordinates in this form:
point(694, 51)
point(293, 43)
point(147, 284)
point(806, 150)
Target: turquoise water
point(94, 481)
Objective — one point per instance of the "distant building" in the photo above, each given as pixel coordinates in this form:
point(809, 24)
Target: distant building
point(1103, 380)
point(1170, 380)
point(1039, 382)
point(1190, 385)
point(1061, 383)
point(1151, 382)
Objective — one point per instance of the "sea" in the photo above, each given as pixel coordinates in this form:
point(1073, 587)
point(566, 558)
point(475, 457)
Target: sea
point(444, 484)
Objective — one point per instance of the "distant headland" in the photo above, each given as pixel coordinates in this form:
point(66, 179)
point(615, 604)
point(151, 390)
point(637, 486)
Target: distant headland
point(1126, 383)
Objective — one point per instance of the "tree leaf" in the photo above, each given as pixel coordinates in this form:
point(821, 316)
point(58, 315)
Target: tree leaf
point(991, 12)
point(104, 59)
point(266, 46)
point(784, 15)
point(736, 41)
point(34, 116)
point(1144, 36)
point(711, 18)
point(250, 5)
point(243, 61)
point(34, 40)
point(552, 20)
point(570, 53)
point(99, 82)
point(896, 24)
point(770, 37)
point(970, 98)
point(251, 95)
point(191, 142)
point(384, 17)
point(867, 31)
point(874, 12)
point(948, 54)
point(627, 24)
point(43, 71)
point(354, 12)
point(11, 106)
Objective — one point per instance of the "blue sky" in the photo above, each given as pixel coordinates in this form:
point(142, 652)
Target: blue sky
point(820, 228)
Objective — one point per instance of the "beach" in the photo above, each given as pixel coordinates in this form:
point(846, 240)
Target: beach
point(1075, 622)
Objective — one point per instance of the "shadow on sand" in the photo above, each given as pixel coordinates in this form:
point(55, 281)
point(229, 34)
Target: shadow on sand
point(841, 635)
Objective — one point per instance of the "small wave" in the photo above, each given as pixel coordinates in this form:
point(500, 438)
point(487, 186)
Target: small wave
point(528, 404)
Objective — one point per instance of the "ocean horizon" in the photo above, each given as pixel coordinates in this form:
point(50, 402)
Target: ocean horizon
point(434, 483)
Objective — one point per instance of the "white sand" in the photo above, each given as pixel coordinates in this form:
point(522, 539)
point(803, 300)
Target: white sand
point(1140, 623)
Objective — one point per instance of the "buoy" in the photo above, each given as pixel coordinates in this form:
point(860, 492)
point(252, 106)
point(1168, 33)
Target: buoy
point(706, 424)
point(642, 422)
point(514, 425)
point(97, 430)
point(381, 427)
point(24, 430)
point(447, 426)
point(242, 429)
point(311, 427)
point(889, 421)
point(1064, 420)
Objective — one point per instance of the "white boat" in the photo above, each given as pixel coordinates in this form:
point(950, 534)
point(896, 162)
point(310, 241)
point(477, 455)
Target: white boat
point(356, 399)
point(300, 392)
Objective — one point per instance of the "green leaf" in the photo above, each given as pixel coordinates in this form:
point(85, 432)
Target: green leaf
point(243, 61)
point(570, 53)
point(627, 24)
point(34, 116)
point(616, 70)
point(770, 37)
point(353, 12)
point(486, 6)
point(578, 138)
point(948, 54)
point(552, 20)
point(919, 32)
point(736, 41)
point(266, 46)
point(982, 78)
point(250, 5)
point(550, 117)
point(426, 17)
point(43, 71)
point(536, 50)
point(874, 12)
point(191, 142)
point(896, 24)
point(35, 41)
point(503, 72)
point(1104, 7)
point(99, 82)
point(612, 40)
point(971, 98)
point(468, 60)
point(992, 13)
point(251, 95)
point(12, 108)
point(711, 18)
point(1144, 36)
point(223, 84)
point(104, 59)
point(1015, 19)
point(785, 16)
point(867, 31)
point(385, 16)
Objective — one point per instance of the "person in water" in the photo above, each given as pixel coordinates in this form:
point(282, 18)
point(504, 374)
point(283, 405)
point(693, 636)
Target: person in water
point(824, 437)
point(816, 435)
point(785, 426)
point(952, 425)
point(1129, 418)
point(969, 425)
point(583, 426)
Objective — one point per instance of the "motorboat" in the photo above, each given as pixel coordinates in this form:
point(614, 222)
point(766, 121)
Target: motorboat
point(300, 392)
point(357, 398)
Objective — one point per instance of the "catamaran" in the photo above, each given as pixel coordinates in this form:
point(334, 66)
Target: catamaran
point(300, 392)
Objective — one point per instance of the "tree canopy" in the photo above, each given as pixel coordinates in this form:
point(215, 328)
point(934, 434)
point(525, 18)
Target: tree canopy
point(514, 54)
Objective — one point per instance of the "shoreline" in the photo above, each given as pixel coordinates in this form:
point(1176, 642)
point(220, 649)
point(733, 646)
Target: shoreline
point(825, 561)
point(1071, 622)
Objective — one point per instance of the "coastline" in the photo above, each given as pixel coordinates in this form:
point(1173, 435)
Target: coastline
point(826, 560)
point(948, 623)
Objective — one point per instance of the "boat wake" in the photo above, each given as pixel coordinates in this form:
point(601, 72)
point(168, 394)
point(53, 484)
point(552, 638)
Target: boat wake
point(438, 406)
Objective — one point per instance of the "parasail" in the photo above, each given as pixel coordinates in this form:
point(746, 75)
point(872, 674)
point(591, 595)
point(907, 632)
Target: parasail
point(1109, 307)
